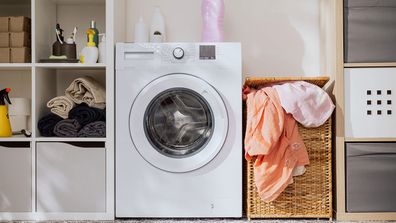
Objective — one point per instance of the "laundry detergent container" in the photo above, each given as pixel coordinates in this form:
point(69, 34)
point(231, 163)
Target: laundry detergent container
point(370, 30)
point(370, 102)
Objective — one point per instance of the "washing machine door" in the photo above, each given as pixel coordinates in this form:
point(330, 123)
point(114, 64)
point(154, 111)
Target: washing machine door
point(178, 123)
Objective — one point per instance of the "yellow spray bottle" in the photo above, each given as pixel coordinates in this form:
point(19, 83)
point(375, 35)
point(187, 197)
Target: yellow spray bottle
point(5, 126)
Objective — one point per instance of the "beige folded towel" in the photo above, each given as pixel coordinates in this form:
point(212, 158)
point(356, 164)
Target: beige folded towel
point(61, 106)
point(87, 90)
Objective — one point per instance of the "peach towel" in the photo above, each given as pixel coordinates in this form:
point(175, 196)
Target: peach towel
point(272, 140)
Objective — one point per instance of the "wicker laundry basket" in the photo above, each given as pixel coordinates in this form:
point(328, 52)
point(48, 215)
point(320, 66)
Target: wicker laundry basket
point(310, 196)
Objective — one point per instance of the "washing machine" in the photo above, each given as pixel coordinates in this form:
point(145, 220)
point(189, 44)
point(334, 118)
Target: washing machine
point(178, 130)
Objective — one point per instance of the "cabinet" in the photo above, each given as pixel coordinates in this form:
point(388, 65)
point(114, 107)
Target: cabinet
point(86, 170)
point(356, 126)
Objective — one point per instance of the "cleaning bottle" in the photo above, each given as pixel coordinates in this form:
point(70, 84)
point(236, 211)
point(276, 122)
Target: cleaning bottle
point(141, 32)
point(96, 33)
point(5, 126)
point(157, 29)
point(102, 48)
point(213, 19)
point(90, 53)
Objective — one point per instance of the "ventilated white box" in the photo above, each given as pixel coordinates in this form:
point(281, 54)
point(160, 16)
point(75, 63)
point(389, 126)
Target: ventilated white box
point(370, 102)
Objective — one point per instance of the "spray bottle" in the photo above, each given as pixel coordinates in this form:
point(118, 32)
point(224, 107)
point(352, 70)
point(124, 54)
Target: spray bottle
point(90, 53)
point(5, 126)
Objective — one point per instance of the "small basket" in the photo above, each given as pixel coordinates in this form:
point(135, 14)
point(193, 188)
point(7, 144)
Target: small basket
point(310, 196)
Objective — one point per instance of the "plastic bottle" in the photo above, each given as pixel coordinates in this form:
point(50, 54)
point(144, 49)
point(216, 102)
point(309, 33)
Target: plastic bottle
point(213, 20)
point(157, 29)
point(141, 32)
point(5, 125)
point(90, 53)
point(102, 48)
point(96, 32)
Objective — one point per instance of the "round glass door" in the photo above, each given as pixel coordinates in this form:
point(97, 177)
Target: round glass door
point(178, 123)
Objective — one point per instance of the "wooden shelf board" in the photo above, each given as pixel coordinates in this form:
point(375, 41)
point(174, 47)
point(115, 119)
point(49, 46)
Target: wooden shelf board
point(354, 65)
point(370, 139)
point(59, 139)
point(71, 65)
point(15, 66)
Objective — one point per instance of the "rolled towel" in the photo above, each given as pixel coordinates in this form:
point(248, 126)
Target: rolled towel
point(61, 106)
point(85, 115)
point(87, 90)
point(47, 124)
point(94, 129)
point(67, 128)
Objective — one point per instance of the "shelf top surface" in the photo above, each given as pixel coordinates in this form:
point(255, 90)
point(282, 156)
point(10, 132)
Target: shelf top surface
point(379, 64)
point(71, 65)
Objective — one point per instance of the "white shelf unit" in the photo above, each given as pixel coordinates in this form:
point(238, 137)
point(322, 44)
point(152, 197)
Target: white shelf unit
point(41, 82)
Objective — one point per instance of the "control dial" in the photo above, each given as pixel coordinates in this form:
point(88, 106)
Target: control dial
point(178, 53)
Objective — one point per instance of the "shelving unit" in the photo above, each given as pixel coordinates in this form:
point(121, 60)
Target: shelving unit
point(341, 140)
point(42, 81)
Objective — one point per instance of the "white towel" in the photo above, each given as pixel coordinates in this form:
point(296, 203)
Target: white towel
point(61, 106)
point(87, 90)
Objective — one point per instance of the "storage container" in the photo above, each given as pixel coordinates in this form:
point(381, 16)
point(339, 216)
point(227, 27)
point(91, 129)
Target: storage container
point(19, 39)
point(370, 30)
point(4, 24)
point(370, 177)
point(15, 24)
point(15, 177)
point(71, 177)
point(20, 55)
point(5, 55)
point(310, 196)
point(370, 102)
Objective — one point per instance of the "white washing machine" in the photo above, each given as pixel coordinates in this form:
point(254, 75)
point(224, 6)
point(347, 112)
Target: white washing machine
point(178, 130)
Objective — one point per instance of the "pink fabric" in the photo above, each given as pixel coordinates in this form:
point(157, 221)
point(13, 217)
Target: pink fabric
point(273, 141)
point(309, 104)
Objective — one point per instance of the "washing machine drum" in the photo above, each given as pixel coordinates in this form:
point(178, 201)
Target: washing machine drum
point(178, 123)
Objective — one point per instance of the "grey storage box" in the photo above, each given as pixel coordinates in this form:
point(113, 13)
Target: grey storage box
point(15, 177)
point(370, 30)
point(370, 177)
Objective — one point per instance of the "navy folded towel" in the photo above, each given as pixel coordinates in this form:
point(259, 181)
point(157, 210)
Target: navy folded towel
point(47, 124)
point(94, 129)
point(86, 115)
point(67, 128)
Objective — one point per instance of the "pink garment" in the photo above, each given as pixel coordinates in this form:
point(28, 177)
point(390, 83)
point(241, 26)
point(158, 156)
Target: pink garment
point(273, 141)
point(309, 104)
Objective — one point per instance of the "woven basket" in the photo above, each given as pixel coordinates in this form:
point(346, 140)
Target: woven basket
point(310, 196)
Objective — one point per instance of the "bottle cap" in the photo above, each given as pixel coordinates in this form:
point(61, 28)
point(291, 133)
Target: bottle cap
point(93, 24)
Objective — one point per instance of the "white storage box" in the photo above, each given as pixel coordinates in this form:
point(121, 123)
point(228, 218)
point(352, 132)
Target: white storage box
point(15, 177)
point(370, 102)
point(20, 111)
point(71, 178)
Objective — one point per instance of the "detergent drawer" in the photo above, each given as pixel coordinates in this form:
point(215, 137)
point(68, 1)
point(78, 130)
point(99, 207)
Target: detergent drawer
point(71, 177)
point(15, 177)
point(370, 32)
point(371, 177)
point(370, 102)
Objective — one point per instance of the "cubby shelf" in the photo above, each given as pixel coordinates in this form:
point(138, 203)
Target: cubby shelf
point(42, 81)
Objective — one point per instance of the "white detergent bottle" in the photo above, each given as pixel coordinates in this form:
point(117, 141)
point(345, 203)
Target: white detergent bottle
point(90, 53)
point(102, 48)
point(141, 32)
point(157, 29)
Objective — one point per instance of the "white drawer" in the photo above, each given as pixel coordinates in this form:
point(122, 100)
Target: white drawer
point(15, 177)
point(370, 99)
point(71, 178)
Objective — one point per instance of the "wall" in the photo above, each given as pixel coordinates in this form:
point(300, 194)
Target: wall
point(279, 37)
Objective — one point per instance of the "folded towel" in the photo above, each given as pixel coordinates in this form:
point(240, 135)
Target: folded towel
point(67, 128)
point(61, 106)
point(47, 123)
point(87, 90)
point(85, 115)
point(94, 129)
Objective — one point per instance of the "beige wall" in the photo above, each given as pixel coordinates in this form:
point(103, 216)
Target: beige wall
point(279, 37)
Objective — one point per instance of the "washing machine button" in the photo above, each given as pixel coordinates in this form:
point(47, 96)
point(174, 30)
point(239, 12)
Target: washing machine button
point(178, 53)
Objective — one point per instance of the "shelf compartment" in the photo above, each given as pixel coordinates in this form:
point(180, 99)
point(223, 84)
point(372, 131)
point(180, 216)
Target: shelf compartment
point(15, 8)
point(52, 82)
point(68, 14)
point(71, 177)
point(16, 177)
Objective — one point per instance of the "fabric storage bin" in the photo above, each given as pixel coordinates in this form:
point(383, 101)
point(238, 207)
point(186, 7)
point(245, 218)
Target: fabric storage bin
point(15, 177)
point(370, 102)
point(20, 39)
point(15, 24)
point(20, 55)
point(310, 196)
point(5, 55)
point(4, 40)
point(71, 177)
point(370, 177)
point(370, 30)
point(4, 24)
